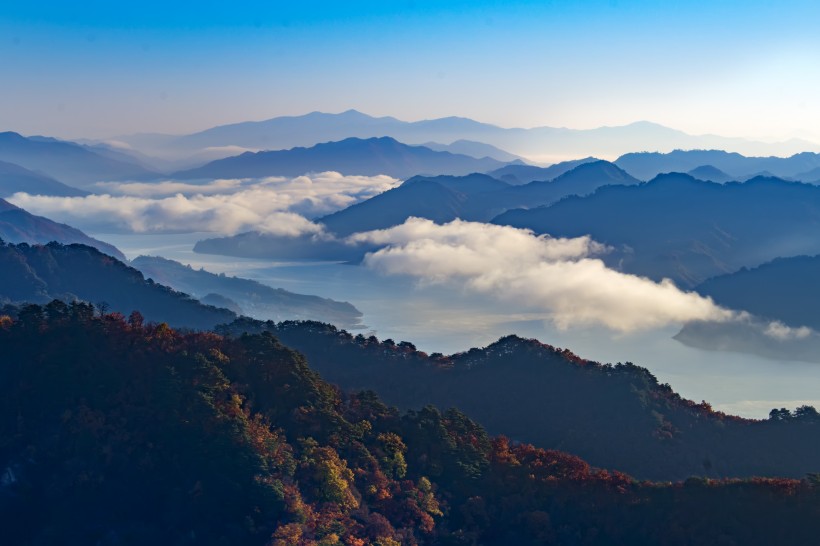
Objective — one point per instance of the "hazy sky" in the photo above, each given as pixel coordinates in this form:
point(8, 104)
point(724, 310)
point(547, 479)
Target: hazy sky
point(98, 69)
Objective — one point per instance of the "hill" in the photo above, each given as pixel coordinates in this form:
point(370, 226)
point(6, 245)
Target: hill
point(617, 417)
point(710, 174)
point(19, 226)
point(685, 229)
point(195, 438)
point(14, 178)
point(352, 156)
point(39, 274)
point(69, 162)
point(252, 298)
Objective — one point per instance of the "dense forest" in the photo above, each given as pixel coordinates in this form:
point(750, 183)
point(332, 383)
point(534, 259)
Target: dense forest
point(614, 416)
point(114, 431)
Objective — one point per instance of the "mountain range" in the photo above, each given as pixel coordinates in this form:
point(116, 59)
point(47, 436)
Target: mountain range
point(475, 197)
point(685, 229)
point(351, 156)
point(540, 143)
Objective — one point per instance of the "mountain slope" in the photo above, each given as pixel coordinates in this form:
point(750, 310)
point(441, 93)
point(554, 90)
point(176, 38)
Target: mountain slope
point(14, 178)
point(66, 161)
point(41, 273)
point(254, 299)
point(616, 417)
point(19, 226)
point(685, 229)
point(127, 434)
point(350, 156)
point(785, 289)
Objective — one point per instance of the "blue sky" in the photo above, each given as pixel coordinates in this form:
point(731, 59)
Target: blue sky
point(98, 69)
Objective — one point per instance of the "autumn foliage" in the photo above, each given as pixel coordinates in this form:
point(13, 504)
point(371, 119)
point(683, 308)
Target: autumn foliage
point(116, 431)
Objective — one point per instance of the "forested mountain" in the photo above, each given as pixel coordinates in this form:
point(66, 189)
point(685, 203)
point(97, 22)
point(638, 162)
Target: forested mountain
point(119, 433)
point(785, 289)
point(14, 178)
point(251, 298)
point(352, 156)
point(685, 229)
point(69, 162)
point(20, 226)
point(615, 417)
point(39, 274)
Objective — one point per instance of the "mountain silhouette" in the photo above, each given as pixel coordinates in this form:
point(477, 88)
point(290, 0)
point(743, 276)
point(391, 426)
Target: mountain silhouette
point(352, 156)
point(540, 143)
point(69, 162)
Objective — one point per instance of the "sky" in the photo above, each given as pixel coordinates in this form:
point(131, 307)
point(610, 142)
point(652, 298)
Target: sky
point(99, 69)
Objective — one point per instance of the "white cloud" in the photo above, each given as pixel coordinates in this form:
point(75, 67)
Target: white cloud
point(273, 205)
point(559, 276)
point(781, 332)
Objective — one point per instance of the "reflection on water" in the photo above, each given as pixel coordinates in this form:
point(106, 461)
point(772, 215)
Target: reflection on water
point(446, 319)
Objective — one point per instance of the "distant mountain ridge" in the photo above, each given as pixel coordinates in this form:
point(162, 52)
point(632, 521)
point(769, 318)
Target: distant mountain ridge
point(67, 161)
point(539, 143)
point(351, 156)
point(646, 165)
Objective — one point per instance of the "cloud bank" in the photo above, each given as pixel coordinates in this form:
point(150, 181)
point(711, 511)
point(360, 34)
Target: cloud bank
point(561, 277)
point(275, 205)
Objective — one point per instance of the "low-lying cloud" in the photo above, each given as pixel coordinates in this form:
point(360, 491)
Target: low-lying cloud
point(561, 277)
point(275, 205)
